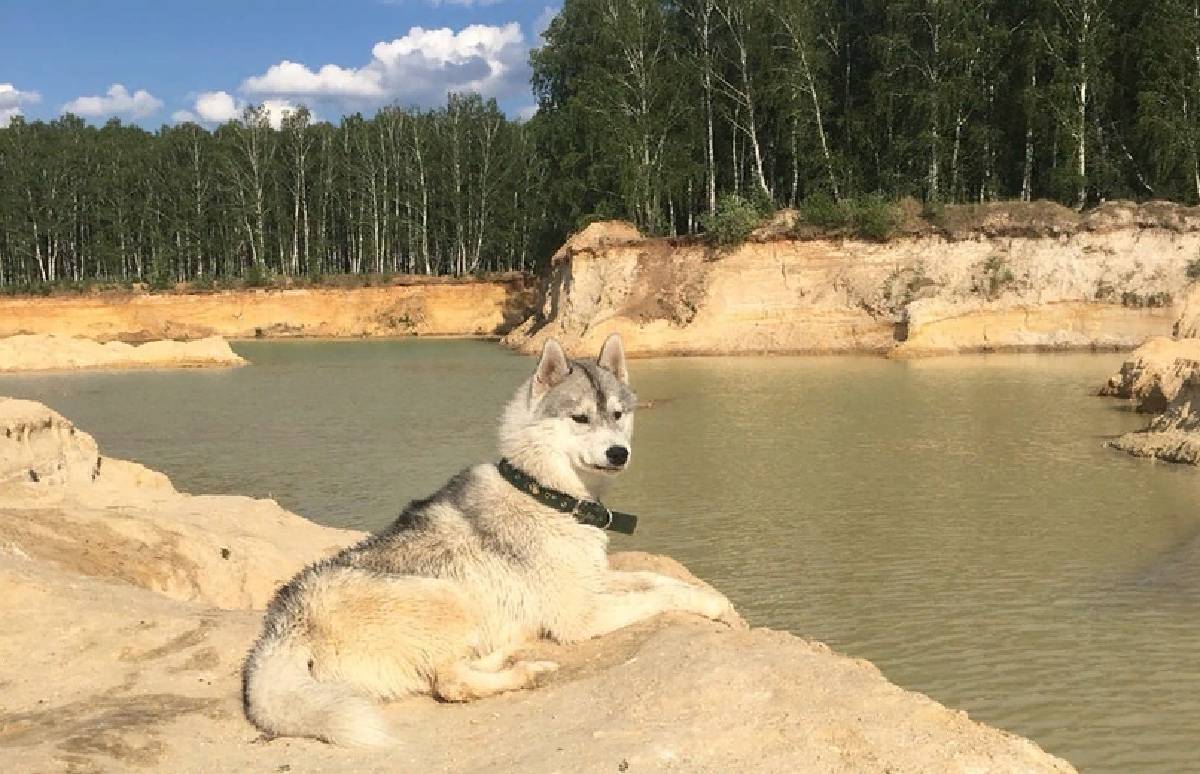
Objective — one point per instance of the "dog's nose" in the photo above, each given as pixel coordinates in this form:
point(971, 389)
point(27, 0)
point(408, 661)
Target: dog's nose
point(617, 455)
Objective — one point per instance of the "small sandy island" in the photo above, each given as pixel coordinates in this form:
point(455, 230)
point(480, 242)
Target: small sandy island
point(128, 607)
point(47, 352)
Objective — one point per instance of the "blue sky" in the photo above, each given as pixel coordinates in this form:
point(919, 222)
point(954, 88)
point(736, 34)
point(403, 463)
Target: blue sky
point(162, 61)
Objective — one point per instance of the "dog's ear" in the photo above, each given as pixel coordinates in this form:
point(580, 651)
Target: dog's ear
point(552, 368)
point(612, 357)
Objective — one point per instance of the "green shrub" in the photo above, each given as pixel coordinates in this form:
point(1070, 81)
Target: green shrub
point(733, 221)
point(256, 277)
point(762, 203)
point(823, 211)
point(203, 283)
point(1193, 269)
point(875, 218)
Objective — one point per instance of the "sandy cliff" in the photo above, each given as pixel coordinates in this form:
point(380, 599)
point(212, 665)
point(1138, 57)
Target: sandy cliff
point(40, 352)
point(1174, 435)
point(1012, 280)
point(100, 673)
point(1154, 373)
point(1162, 377)
point(438, 309)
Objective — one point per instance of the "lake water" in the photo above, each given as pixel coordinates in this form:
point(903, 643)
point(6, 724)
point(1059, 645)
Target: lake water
point(955, 521)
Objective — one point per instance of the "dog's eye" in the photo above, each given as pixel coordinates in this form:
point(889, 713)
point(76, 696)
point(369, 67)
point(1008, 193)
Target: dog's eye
point(618, 414)
point(582, 419)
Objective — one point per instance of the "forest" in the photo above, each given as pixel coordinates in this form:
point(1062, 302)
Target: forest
point(651, 111)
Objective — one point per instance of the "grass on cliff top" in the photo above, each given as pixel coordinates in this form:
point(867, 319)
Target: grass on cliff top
point(876, 218)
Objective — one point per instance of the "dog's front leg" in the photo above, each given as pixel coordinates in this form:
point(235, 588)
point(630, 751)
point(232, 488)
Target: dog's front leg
point(639, 580)
point(612, 610)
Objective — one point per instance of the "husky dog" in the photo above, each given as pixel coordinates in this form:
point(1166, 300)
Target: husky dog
point(502, 555)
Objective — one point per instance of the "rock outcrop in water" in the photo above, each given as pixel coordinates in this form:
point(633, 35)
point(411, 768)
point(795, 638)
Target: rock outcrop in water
point(1015, 277)
point(1174, 435)
point(125, 609)
point(1154, 373)
point(66, 353)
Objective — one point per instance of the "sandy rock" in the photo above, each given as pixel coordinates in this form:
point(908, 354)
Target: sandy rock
point(1174, 435)
point(1109, 282)
point(1153, 373)
point(114, 678)
point(595, 236)
point(100, 674)
point(47, 352)
point(61, 502)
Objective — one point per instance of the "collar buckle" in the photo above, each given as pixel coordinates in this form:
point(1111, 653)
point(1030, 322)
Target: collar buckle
point(608, 512)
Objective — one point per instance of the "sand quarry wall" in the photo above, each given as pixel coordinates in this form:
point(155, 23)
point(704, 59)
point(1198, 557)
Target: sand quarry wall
point(1017, 277)
point(483, 308)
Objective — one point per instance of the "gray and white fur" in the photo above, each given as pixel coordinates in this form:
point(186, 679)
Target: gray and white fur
point(439, 601)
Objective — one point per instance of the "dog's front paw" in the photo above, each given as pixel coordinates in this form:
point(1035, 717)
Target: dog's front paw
point(535, 668)
point(717, 607)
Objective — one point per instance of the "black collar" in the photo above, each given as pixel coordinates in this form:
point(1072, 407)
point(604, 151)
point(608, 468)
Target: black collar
point(590, 512)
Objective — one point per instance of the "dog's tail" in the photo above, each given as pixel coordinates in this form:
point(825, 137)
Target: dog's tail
point(282, 698)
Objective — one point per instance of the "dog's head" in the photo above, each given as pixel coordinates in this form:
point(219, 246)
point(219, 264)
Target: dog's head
point(573, 412)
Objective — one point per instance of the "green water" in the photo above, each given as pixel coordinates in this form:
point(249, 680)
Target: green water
point(957, 522)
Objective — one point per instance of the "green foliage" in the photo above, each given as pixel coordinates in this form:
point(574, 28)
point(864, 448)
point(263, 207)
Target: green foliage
point(934, 212)
point(256, 277)
point(1193, 269)
point(875, 218)
point(822, 211)
point(733, 221)
point(762, 203)
point(870, 217)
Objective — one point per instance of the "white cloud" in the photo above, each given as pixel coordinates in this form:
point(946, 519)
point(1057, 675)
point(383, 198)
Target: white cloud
point(526, 112)
point(420, 67)
point(116, 102)
point(216, 107)
point(13, 100)
point(331, 80)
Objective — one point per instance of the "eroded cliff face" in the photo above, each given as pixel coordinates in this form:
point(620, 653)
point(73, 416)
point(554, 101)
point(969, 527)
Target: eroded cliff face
point(432, 308)
point(1154, 373)
point(1107, 280)
point(125, 625)
point(1174, 435)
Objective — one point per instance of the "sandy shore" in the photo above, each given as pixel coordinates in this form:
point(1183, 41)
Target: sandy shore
point(68, 353)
